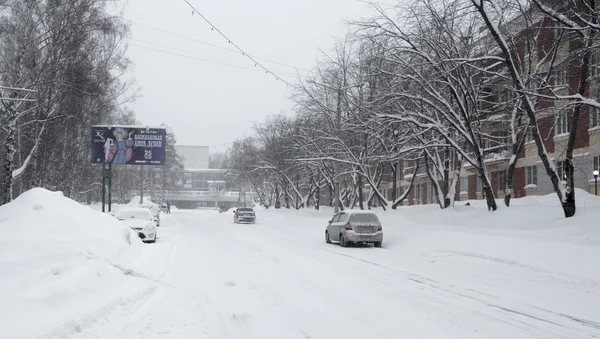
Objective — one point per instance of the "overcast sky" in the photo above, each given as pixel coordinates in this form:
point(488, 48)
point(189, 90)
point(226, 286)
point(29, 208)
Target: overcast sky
point(208, 103)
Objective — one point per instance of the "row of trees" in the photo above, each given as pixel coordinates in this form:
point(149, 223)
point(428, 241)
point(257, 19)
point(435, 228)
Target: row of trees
point(62, 69)
point(440, 82)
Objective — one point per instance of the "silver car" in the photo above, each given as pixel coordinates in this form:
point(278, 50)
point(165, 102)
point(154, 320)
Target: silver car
point(244, 214)
point(354, 227)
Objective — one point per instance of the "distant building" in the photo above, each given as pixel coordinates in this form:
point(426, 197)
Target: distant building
point(197, 186)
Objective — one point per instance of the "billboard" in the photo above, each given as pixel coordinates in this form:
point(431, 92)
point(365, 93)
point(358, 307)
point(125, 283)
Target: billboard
point(128, 145)
point(216, 187)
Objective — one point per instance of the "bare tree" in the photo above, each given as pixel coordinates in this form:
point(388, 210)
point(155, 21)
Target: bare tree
point(493, 15)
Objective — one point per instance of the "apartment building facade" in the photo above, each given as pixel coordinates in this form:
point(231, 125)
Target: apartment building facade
point(554, 117)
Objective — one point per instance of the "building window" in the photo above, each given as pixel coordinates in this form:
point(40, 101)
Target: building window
point(558, 30)
point(500, 140)
point(501, 180)
point(529, 134)
point(560, 78)
point(595, 115)
point(595, 63)
point(417, 190)
point(534, 84)
point(430, 191)
point(479, 185)
point(464, 184)
point(421, 191)
point(531, 175)
point(506, 96)
point(562, 124)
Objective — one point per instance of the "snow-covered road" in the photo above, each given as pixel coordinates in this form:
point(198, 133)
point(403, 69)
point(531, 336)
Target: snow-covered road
point(278, 279)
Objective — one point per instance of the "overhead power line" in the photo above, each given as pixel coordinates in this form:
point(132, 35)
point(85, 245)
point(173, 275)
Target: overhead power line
point(191, 56)
point(213, 45)
point(184, 53)
point(256, 63)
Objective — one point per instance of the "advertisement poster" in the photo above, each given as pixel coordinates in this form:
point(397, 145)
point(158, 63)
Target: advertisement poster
point(128, 145)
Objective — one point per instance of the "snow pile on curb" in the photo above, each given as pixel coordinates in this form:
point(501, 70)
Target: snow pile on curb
point(58, 258)
point(536, 216)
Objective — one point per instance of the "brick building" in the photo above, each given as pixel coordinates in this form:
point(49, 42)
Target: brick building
point(554, 119)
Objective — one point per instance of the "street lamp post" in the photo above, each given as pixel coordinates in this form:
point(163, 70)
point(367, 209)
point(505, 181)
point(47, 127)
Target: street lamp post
point(596, 181)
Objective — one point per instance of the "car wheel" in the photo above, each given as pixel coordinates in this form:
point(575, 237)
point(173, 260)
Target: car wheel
point(343, 241)
point(327, 240)
point(377, 244)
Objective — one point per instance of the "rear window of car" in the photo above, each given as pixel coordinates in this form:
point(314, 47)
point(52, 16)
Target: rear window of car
point(245, 209)
point(366, 217)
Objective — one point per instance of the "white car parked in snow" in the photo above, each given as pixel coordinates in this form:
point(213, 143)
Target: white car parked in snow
point(354, 227)
point(140, 220)
point(154, 209)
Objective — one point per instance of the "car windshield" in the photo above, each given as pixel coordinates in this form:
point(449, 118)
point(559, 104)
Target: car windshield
point(372, 218)
point(134, 214)
point(245, 210)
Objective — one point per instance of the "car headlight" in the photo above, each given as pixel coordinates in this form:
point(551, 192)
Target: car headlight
point(149, 227)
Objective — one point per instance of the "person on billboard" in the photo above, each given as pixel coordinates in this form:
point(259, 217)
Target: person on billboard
point(120, 151)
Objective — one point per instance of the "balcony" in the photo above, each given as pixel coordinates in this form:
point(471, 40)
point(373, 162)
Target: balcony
point(495, 158)
point(408, 171)
point(497, 153)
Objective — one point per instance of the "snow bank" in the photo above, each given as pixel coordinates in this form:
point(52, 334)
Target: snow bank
point(58, 258)
point(135, 201)
point(535, 216)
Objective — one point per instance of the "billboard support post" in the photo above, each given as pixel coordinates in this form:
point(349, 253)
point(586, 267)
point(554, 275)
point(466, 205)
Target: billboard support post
point(109, 174)
point(103, 186)
point(141, 185)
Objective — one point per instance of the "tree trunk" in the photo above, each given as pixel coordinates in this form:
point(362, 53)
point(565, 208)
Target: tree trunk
point(359, 191)
point(394, 168)
point(10, 150)
point(8, 160)
point(318, 196)
point(331, 193)
point(277, 197)
point(510, 178)
point(488, 191)
point(446, 179)
point(409, 188)
point(286, 195)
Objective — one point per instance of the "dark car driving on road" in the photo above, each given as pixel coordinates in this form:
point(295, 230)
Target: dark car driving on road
point(245, 215)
